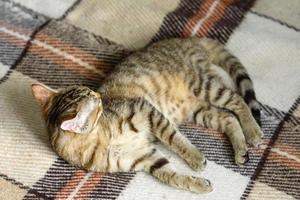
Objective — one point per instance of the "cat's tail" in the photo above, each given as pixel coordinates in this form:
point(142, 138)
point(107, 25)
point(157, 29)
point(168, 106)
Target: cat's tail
point(228, 62)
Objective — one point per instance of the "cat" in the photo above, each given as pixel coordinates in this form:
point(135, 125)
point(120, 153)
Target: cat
point(143, 100)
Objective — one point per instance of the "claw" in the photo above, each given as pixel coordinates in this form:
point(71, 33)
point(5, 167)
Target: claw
point(241, 159)
point(246, 156)
point(208, 183)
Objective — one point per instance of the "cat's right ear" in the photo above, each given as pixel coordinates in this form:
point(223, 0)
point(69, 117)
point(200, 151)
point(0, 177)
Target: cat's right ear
point(42, 93)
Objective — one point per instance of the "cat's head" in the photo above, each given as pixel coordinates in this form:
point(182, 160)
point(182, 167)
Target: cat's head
point(74, 109)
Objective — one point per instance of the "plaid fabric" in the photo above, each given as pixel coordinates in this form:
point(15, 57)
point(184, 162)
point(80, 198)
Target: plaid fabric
point(61, 43)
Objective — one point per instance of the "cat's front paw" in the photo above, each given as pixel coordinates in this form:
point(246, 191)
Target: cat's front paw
point(196, 160)
point(254, 135)
point(241, 158)
point(199, 185)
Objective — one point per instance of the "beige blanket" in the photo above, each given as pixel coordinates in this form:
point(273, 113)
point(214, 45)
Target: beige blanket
point(67, 42)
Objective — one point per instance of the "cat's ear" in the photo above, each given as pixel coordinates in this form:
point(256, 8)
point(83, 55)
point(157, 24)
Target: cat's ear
point(42, 93)
point(85, 119)
point(71, 125)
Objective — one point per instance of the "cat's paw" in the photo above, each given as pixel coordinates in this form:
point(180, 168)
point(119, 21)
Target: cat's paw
point(253, 134)
point(199, 185)
point(196, 160)
point(241, 157)
point(241, 153)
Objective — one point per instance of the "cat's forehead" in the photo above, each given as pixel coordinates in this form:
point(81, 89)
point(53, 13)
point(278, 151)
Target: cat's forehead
point(66, 99)
point(75, 94)
point(71, 94)
point(75, 91)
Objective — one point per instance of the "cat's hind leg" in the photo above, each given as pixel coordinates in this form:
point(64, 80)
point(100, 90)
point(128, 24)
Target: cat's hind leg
point(226, 98)
point(158, 166)
point(212, 117)
point(217, 94)
point(223, 58)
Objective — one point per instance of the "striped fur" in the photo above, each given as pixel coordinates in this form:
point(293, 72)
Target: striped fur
point(147, 96)
point(228, 62)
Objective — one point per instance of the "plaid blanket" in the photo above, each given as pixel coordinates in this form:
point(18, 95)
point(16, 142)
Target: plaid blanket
point(67, 42)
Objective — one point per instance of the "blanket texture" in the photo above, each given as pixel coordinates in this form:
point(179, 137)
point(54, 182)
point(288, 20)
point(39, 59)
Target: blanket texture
point(66, 42)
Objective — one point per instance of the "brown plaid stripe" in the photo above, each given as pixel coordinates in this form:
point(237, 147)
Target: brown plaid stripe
point(61, 180)
point(215, 19)
point(12, 48)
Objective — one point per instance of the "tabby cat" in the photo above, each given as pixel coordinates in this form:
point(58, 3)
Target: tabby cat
point(143, 100)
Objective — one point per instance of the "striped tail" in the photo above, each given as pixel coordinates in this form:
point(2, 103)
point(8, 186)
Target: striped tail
point(228, 62)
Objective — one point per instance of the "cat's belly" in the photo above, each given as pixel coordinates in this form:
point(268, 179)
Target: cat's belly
point(178, 109)
point(174, 99)
point(127, 148)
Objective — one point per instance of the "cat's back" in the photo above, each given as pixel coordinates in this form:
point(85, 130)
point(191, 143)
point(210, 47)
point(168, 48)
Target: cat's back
point(162, 73)
point(171, 54)
point(167, 61)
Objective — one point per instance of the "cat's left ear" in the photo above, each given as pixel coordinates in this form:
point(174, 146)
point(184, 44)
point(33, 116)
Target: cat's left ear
point(42, 93)
point(85, 119)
